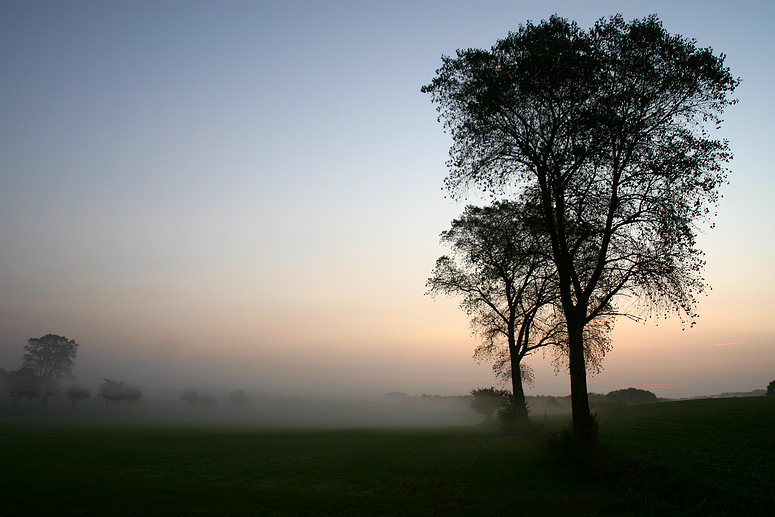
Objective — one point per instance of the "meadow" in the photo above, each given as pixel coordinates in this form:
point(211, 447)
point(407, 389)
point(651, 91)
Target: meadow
point(701, 457)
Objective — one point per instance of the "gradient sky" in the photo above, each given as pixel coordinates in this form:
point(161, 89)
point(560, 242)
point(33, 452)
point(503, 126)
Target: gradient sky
point(248, 194)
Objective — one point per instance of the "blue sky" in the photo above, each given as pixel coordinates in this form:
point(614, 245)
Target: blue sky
point(249, 194)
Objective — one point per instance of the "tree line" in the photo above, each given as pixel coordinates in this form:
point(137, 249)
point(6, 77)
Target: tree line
point(50, 359)
point(46, 362)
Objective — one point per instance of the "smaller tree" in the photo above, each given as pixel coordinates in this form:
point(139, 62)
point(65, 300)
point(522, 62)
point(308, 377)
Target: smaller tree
point(771, 388)
point(22, 383)
point(239, 398)
point(190, 397)
point(115, 391)
point(76, 393)
point(486, 401)
point(112, 391)
point(498, 267)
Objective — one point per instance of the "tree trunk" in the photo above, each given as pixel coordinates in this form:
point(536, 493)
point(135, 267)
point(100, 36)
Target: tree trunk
point(583, 425)
point(518, 393)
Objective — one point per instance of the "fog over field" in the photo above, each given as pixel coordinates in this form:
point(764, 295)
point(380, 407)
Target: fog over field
point(248, 195)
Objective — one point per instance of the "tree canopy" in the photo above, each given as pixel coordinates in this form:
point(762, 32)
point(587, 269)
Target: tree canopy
point(486, 401)
point(50, 357)
point(608, 129)
point(76, 393)
point(22, 383)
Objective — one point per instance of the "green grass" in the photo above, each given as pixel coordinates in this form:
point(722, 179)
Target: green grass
point(710, 457)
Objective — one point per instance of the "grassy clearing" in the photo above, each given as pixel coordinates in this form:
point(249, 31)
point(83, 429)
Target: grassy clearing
point(648, 452)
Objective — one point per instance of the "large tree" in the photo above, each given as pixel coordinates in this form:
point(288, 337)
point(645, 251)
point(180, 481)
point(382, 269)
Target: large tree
point(609, 128)
point(51, 357)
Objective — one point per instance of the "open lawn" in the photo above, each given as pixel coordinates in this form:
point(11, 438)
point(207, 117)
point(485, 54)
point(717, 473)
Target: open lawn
point(704, 457)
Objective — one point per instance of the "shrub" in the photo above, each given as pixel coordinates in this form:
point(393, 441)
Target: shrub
point(632, 396)
point(487, 401)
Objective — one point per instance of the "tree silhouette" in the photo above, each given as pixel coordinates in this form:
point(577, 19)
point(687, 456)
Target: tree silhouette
point(76, 393)
point(633, 396)
point(608, 129)
point(114, 391)
point(111, 390)
point(486, 401)
point(133, 394)
point(23, 382)
point(499, 267)
point(51, 357)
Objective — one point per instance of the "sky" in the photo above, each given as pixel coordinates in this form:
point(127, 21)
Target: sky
point(249, 195)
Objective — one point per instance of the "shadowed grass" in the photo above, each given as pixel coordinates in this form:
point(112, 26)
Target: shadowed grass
point(710, 457)
point(698, 457)
point(84, 471)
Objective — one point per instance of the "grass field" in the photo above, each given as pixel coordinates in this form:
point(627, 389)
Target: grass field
point(705, 457)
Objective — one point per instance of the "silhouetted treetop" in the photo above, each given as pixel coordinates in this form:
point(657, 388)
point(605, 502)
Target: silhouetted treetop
point(51, 357)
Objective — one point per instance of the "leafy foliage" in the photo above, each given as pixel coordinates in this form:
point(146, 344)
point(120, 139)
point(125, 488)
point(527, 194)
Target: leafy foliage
point(51, 357)
point(76, 393)
point(23, 382)
point(633, 396)
point(114, 391)
point(499, 267)
point(486, 401)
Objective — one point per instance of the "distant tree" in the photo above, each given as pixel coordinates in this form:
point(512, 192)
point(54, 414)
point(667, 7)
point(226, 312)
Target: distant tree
point(23, 382)
point(486, 401)
point(76, 393)
point(632, 396)
point(771, 388)
point(208, 400)
point(609, 127)
point(112, 391)
point(239, 398)
point(190, 397)
point(51, 357)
